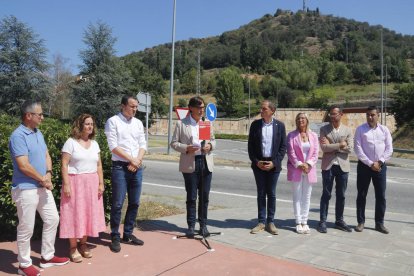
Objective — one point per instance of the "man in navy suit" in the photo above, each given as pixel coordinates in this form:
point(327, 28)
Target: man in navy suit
point(267, 147)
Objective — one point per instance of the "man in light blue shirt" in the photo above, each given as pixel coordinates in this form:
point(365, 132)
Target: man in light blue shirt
point(31, 189)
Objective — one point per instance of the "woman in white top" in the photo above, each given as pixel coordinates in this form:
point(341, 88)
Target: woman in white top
point(303, 149)
point(81, 205)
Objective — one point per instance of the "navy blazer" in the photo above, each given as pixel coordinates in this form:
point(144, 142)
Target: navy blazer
point(278, 146)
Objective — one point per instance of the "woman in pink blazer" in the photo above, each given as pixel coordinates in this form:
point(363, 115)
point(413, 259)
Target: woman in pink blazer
point(302, 150)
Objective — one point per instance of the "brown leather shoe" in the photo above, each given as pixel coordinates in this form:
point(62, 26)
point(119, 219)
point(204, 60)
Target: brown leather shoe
point(381, 228)
point(259, 227)
point(271, 228)
point(360, 227)
point(84, 250)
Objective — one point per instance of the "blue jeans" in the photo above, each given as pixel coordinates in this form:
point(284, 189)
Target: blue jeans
point(341, 179)
point(364, 176)
point(266, 188)
point(192, 185)
point(124, 181)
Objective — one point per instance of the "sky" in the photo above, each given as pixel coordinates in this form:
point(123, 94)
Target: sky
point(140, 24)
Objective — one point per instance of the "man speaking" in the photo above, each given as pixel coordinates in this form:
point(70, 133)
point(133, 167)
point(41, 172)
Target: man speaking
point(196, 164)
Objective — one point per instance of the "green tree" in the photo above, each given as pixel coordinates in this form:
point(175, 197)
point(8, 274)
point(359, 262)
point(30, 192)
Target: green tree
point(23, 65)
point(189, 82)
point(320, 97)
point(106, 78)
point(147, 80)
point(402, 106)
point(229, 93)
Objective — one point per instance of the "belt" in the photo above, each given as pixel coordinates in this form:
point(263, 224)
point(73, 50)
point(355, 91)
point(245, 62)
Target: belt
point(266, 159)
point(120, 163)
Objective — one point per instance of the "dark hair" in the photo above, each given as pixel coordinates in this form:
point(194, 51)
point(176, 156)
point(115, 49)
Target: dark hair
point(372, 107)
point(28, 106)
point(196, 101)
point(125, 99)
point(271, 105)
point(332, 107)
point(77, 126)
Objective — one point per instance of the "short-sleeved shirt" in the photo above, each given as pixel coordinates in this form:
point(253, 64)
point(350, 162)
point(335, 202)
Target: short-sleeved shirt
point(82, 160)
point(31, 143)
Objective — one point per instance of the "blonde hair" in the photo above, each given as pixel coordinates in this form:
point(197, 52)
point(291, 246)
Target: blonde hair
point(306, 117)
point(77, 126)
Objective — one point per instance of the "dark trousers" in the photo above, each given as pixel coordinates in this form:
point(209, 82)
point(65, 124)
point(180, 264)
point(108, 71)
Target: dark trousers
point(364, 176)
point(124, 182)
point(192, 185)
point(266, 188)
point(341, 180)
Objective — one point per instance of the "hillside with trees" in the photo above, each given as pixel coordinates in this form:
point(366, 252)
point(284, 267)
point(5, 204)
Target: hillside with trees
point(297, 59)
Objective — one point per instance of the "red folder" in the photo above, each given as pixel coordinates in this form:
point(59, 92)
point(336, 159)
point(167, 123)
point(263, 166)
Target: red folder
point(204, 132)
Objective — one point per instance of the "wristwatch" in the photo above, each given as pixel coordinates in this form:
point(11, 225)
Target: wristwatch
point(380, 163)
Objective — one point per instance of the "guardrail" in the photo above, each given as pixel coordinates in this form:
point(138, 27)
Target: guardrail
point(403, 150)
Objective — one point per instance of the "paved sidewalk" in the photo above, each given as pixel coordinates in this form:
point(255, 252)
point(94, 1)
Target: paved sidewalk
point(162, 254)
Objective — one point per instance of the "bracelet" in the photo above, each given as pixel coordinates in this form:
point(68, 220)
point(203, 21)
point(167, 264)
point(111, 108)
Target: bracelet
point(49, 171)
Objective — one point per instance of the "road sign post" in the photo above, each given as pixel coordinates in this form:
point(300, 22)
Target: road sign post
point(144, 105)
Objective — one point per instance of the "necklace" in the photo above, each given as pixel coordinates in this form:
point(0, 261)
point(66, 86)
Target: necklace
point(304, 136)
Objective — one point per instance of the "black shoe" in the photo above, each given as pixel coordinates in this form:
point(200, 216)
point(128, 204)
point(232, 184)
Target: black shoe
point(204, 231)
point(322, 227)
point(131, 239)
point(360, 227)
point(341, 225)
point(381, 228)
point(115, 245)
point(190, 232)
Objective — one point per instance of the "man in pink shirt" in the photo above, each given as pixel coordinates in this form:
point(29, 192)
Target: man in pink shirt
point(373, 147)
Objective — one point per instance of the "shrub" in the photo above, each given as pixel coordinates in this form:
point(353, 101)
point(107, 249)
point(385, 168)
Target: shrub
point(55, 133)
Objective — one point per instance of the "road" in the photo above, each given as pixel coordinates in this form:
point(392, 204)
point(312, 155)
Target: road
point(239, 181)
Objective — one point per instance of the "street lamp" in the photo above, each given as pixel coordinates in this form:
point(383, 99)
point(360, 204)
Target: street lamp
point(171, 82)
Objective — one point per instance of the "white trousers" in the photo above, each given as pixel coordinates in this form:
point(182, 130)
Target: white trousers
point(301, 200)
point(27, 202)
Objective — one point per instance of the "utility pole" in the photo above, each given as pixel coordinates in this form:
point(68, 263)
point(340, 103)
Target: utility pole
point(248, 80)
point(171, 82)
point(198, 74)
point(386, 84)
point(382, 77)
point(304, 6)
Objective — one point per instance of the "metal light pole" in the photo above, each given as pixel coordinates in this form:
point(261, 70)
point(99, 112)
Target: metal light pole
point(382, 78)
point(386, 84)
point(171, 82)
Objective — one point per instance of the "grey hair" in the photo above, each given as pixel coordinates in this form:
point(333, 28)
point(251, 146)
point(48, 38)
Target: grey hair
point(270, 104)
point(28, 106)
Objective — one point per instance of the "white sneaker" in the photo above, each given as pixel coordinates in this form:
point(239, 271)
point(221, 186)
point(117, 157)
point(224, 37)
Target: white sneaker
point(305, 229)
point(299, 229)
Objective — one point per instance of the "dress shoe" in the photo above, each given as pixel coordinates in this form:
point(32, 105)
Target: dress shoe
point(341, 225)
point(322, 227)
point(190, 232)
point(204, 231)
point(271, 228)
point(360, 227)
point(381, 228)
point(259, 227)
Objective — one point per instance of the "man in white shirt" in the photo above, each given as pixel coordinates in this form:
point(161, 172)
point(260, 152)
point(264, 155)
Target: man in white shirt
point(126, 141)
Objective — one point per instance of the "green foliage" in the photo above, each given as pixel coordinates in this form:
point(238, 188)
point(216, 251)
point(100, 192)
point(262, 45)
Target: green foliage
point(56, 133)
point(320, 97)
point(231, 136)
point(147, 80)
point(182, 102)
point(229, 93)
point(106, 77)
point(22, 65)
point(402, 106)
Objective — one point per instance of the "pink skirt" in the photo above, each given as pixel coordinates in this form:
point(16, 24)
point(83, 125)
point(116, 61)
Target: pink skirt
point(82, 214)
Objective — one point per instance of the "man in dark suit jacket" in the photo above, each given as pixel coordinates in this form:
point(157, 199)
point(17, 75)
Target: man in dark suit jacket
point(267, 147)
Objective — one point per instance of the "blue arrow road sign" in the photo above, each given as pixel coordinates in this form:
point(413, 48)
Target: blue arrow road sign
point(211, 112)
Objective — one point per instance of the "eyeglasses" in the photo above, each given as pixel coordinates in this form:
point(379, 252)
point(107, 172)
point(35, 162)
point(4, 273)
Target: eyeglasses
point(38, 114)
point(333, 115)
